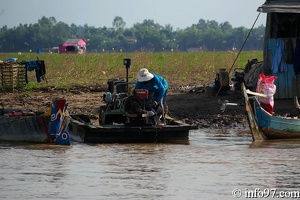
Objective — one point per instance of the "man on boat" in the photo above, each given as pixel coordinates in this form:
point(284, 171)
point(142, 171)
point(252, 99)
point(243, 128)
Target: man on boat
point(157, 87)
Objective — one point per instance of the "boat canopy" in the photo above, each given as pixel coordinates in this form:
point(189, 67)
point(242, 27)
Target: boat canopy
point(280, 6)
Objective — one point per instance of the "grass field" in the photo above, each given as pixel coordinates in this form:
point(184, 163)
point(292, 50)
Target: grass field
point(179, 68)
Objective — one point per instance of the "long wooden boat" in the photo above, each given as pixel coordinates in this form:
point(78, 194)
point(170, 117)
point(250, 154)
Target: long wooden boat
point(265, 126)
point(17, 126)
point(82, 130)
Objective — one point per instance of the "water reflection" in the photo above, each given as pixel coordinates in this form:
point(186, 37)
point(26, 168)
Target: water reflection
point(282, 144)
point(31, 169)
point(284, 157)
point(210, 166)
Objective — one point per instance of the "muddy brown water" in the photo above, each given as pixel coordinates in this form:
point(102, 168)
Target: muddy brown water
point(214, 164)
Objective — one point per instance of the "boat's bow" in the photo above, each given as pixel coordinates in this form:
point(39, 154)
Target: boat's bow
point(251, 116)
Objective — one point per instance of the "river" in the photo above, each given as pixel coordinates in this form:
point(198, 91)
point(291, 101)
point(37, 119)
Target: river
point(214, 164)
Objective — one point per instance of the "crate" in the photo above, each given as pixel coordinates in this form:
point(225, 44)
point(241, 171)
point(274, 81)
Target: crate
point(12, 76)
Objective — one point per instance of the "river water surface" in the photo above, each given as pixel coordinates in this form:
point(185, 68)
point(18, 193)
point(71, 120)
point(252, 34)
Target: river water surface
point(214, 164)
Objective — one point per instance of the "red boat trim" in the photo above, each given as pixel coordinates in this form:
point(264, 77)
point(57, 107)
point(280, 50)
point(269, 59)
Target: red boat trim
point(45, 128)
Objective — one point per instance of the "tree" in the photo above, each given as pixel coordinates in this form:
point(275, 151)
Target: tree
point(190, 37)
point(148, 36)
point(118, 24)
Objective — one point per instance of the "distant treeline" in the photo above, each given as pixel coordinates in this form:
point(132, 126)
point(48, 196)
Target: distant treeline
point(206, 35)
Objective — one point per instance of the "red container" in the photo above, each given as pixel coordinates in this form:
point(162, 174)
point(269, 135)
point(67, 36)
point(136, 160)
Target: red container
point(141, 93)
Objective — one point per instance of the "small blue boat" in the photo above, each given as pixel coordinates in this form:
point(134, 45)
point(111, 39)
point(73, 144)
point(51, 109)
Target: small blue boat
point(265, 126)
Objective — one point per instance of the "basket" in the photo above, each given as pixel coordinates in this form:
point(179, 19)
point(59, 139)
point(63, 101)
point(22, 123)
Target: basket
point(12, 75)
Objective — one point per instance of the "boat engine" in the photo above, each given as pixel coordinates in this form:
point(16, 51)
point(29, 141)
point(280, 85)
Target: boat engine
point(113, 111)
point(122, 107)
point(136, 109)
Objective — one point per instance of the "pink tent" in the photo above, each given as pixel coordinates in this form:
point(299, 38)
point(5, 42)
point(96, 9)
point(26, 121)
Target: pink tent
point(73, 46)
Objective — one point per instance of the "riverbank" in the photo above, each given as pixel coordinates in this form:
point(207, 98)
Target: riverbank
point(192, 106)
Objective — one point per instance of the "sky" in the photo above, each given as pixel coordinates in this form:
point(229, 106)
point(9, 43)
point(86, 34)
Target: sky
point(180, 14)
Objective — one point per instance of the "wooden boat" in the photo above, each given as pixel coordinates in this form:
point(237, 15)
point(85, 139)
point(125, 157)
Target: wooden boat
point(17, 126)
point(124, 119)
point(82, 130)
point(265, 126)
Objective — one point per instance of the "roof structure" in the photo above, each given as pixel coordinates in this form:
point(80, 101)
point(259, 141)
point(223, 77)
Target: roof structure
point(73, 41)
point(280, 6)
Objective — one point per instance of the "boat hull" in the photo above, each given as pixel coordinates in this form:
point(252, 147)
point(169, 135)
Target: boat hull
point(51, 127)
point(87, 133)
point(272, 134)
point(275, 127)
point(24, 129)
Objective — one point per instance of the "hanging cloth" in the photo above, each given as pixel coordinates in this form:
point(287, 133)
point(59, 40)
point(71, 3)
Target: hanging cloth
point(278, 63)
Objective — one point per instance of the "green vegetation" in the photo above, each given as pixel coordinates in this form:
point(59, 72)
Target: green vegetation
point(148, 36)
point(179, 68)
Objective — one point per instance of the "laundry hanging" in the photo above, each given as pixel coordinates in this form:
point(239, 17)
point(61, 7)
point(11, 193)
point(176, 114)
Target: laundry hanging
point(278, 63)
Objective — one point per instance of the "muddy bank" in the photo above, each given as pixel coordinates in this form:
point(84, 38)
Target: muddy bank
point(192, 106)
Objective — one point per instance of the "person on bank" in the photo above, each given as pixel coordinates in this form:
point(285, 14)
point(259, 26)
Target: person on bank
point(157, 87)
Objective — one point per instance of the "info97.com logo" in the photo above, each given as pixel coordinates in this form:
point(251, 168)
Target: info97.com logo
point(265, 193)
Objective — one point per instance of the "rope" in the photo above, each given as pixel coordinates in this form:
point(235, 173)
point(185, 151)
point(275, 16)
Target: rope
point(240, 49)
